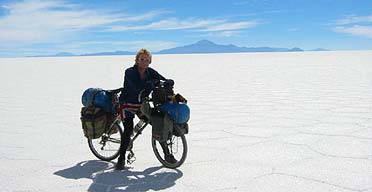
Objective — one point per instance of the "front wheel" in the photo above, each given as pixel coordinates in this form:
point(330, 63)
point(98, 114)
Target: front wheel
point(107, 147)
point(174, 145)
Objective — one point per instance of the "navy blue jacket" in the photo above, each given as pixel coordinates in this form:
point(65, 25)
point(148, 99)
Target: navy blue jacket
point(133, 84)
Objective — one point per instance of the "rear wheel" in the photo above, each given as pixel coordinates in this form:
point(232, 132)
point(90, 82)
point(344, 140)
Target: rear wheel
point(107, 147)
point(174, 145)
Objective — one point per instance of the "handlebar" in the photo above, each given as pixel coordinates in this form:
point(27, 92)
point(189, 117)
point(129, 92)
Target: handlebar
point(168, 83)
point(115, 91)
point(151, 85)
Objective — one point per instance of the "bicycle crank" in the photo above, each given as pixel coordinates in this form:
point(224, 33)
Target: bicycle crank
point(131, 157)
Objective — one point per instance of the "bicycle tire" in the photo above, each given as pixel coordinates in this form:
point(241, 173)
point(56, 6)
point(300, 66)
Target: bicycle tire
point(174, 150)
point(107, 147)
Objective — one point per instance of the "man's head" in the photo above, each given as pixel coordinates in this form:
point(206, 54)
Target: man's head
point(143, 55)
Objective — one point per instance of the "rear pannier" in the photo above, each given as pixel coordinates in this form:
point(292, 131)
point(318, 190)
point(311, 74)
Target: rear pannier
point(95, 121)
point(98, 113)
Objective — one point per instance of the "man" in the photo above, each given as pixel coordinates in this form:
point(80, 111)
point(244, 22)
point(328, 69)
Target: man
point(136, 78)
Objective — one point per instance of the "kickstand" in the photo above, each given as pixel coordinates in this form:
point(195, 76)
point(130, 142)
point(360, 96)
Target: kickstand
point(131, 157)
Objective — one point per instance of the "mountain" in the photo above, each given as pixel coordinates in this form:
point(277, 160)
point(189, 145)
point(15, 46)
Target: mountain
point(61, 54)
point(67, 54)
point(109, 53)
point(319, 49)
point(205, 46)
point(64, 54)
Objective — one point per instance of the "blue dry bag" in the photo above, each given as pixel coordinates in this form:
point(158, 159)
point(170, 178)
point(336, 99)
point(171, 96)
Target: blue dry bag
point(178, 112)
point(99, 98)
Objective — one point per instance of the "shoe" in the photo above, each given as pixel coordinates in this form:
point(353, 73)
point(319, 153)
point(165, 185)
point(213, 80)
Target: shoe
point(120, 165)
point(170, 159)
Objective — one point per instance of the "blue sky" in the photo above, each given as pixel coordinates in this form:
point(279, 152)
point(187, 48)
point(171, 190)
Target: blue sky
point(34, 27)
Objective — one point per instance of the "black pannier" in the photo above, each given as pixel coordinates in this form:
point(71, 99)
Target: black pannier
point(184, 128)
point(162, 126)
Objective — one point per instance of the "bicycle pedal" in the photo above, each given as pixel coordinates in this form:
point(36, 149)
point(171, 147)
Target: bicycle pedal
point(129, 162)
point(131, 158)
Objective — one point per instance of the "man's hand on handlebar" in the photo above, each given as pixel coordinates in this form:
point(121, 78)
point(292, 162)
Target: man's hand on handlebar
point(168, 83)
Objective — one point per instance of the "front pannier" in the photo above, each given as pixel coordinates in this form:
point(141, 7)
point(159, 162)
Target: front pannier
point(162, 126)
point(183, 128)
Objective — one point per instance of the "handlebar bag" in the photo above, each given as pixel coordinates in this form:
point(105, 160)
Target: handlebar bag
point(161, 95)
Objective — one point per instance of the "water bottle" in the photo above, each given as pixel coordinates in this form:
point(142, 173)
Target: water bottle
point(138, 125)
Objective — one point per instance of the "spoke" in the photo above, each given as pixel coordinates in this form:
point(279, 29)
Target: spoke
point(114, 140)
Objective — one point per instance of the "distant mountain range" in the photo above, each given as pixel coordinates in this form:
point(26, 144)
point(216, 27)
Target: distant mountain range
point(203, 46)
point(319, 49)
point(206, 46)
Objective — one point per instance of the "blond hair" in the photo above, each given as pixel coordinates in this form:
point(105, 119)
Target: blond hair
point(143, 51)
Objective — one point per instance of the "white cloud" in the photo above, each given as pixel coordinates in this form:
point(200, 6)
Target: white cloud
point(141, 17)
point(129, 45)
point(356, 30)
point(54, 22)
point(221, 28)
point(354, 19)
point(219, 34)
point(169, 24)
point(230, 26)
point(355, 25)
point(229, 33)
point(45, 20)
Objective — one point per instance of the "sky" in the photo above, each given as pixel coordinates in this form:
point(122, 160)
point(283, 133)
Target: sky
point(41, 27)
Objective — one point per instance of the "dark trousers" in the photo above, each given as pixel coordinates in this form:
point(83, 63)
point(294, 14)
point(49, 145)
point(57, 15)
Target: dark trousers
point(125, 137)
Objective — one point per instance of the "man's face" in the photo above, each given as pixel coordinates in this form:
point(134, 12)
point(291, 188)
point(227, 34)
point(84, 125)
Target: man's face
point(143, 61)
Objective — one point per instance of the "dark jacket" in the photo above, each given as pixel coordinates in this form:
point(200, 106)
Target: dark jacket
point(133, 84)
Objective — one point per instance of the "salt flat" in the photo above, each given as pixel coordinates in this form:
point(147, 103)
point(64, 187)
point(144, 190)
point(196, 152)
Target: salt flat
point(259, 122)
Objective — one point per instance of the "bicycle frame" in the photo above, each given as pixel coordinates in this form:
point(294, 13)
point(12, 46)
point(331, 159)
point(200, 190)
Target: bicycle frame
point(116, 122)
